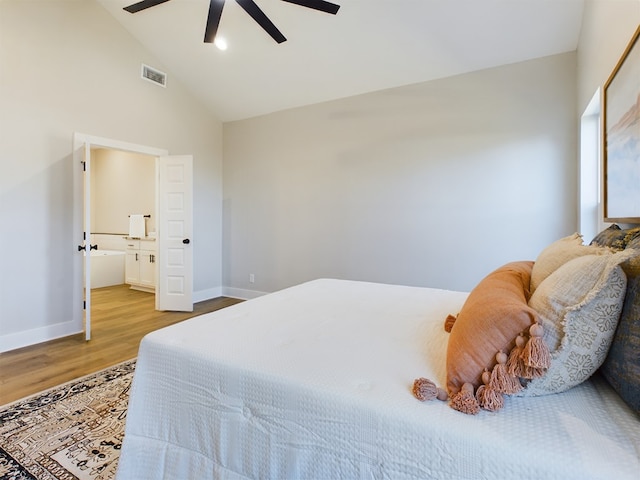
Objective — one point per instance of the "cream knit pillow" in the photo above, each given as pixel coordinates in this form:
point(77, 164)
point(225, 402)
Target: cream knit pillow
point(557, 254)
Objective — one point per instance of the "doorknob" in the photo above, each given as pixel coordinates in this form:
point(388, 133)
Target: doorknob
point(186, 241)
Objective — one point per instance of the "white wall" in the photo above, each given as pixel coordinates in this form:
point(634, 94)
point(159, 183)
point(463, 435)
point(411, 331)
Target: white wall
point(434, 184)
point(607, 28)
point(66, 66)
point(122, 183)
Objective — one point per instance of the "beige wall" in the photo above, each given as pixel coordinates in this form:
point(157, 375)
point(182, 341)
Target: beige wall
point(66, 66)
point(408, 185)
point(122, 183)
point(434, 184)
point(607, 27)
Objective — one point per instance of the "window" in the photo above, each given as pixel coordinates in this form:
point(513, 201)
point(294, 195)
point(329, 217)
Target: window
point(590, 198)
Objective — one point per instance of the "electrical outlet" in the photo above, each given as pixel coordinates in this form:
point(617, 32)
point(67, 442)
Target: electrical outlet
point(252, 278)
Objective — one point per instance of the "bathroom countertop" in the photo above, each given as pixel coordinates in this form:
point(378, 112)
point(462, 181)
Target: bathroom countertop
point(153, 239)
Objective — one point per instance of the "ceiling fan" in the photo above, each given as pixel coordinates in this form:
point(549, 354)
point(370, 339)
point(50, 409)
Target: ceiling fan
point(249, 6)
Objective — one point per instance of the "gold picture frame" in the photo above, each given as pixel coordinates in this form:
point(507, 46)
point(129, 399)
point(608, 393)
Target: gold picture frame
point(621, 137)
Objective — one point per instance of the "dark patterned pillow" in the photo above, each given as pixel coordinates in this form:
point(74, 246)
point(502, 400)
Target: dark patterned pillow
point(632, 266)
point(613, 237)
point(632, 237)
point(622, 365)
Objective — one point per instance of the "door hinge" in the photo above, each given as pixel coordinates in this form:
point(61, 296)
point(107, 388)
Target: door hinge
point(84, 305)
point(84, 166)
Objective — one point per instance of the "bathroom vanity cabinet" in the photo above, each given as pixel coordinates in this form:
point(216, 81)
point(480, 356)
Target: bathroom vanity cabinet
point(140, 266)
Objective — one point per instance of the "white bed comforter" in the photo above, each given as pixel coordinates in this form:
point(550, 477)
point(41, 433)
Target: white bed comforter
point(314, 382)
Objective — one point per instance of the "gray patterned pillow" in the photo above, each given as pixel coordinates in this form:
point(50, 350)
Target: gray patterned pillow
point(579, 306)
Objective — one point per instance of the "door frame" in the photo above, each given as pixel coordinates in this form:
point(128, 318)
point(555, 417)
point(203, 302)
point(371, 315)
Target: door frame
point(79, 142)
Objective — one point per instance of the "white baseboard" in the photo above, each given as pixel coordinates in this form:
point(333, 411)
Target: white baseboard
point(208, 294)
point(241, 293)
point(25, 338)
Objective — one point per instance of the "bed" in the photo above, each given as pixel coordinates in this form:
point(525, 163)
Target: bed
point(315, 382)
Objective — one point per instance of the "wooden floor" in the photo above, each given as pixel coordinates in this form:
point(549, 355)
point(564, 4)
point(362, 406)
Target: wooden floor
point(120, 318)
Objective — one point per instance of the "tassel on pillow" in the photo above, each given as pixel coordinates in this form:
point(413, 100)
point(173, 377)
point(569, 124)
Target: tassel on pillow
point(488, 397)
point(424, 389)
point(530, 373)
point(448, 323)
point(536, 353)
point(515, 364)
point(464, 401)
point(501, 380)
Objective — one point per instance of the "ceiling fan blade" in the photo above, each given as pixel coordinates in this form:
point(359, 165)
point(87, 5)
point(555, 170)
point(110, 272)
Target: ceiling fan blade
point(213, 20)
point(321, 5)
point(258, 15)
point(143, 5)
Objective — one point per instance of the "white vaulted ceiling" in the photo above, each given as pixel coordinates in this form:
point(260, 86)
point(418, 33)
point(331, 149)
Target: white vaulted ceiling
point(369, 45)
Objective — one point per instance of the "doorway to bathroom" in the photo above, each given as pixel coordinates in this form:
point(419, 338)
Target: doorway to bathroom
point(123, 226)
point(120, 182)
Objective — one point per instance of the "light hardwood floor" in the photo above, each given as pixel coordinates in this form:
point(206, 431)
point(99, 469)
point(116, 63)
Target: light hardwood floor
point(120, 318)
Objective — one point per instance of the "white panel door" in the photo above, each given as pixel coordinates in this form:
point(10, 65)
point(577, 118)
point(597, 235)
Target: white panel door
point(175, 229)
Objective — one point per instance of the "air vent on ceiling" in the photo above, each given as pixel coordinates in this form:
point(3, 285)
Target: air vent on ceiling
point(153, 75)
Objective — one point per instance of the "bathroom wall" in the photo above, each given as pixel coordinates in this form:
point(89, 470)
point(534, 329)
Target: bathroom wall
point(122, 183)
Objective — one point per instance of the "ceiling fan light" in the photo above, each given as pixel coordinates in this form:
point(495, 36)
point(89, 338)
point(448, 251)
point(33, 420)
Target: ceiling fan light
point(221, 43)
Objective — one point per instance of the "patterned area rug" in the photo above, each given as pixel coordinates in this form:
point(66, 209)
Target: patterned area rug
point(73, 431)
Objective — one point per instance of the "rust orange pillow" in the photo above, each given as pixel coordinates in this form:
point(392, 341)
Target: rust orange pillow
point(493, 315)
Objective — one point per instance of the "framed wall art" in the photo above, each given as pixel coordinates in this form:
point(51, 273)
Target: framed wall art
point(621, 142)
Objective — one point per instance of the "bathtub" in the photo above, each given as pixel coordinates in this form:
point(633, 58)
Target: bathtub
point(107, 268)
